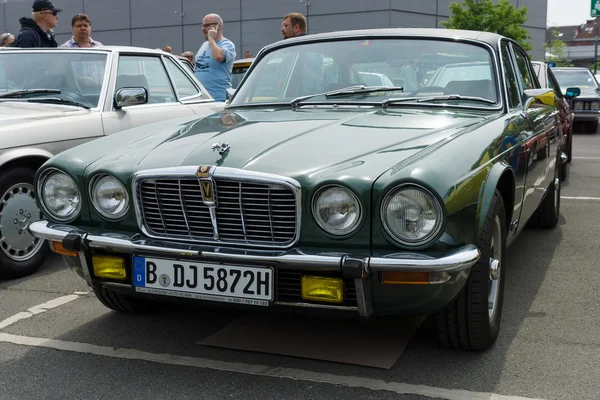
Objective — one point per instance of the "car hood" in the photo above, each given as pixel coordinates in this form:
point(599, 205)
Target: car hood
point(20, 112)
point(312, 142)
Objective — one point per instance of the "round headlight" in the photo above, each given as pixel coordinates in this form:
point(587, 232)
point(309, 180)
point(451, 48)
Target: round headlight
point(60, 196)
point(337, 210)
point(109, 197)
point(411, 215)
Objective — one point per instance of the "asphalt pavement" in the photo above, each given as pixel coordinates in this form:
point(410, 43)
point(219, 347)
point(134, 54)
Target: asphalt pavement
point(58, 342)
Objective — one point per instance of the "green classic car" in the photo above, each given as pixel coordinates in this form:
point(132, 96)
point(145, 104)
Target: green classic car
point(313, 191)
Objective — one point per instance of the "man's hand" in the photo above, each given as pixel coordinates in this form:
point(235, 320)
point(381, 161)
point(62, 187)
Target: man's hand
point(212, 33)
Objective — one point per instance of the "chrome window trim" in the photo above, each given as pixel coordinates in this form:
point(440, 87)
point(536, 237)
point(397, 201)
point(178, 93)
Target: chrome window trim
point(188, 171)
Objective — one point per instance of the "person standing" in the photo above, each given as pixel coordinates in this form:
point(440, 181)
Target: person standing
point(293, 25)
point(6, 39)
point(37, 30)
point(214, 59)
point(82, 31)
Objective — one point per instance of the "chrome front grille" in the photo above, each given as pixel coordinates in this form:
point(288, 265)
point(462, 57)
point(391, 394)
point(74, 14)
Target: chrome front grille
point(245, 213)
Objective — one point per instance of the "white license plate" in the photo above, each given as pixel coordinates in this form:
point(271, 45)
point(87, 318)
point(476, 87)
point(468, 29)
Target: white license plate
point(205, 281)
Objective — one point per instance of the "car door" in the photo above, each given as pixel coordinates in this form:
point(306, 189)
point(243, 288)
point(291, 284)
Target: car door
point(190, 91)
point(148, 71)
point(542, 141)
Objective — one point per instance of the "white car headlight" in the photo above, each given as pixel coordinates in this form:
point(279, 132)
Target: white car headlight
point(411, 215)
point(595, 105)
point(578, 105)
point(60, 195)
point(109, 196)
point(337, 210)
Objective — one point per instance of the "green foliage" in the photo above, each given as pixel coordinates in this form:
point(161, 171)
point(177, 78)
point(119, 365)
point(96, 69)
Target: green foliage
point(557, 50)
point(502, 18)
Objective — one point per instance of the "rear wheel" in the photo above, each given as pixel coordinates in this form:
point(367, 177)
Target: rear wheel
point(472, 321)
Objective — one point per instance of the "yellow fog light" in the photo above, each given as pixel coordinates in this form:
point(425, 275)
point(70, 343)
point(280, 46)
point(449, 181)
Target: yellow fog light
point(318, 288)
point(109, 267)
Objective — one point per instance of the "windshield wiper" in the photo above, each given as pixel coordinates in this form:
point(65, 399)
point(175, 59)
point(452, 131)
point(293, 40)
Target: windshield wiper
point(55, 100)
point(370, 89)
point(21, 93)
point(294, 102)
point(457, 97)
point(350, 90)
point(437, 98)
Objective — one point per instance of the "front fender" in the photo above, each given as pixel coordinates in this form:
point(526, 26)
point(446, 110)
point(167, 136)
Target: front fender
point(501, 177)
point(23, 152)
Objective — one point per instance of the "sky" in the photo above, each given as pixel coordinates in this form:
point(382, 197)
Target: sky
point(568, 12)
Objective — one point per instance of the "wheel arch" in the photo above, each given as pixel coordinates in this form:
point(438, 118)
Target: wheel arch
point(501, 177)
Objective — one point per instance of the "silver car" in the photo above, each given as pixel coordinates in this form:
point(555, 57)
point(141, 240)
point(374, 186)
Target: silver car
point(54, 99)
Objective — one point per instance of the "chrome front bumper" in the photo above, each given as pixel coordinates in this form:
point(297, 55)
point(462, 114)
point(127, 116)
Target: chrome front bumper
point(351, 266)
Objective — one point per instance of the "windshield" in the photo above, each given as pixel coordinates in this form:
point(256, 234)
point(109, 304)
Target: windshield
point(237, 73)
point(422, 67)
point(575, 78)
point(78, 76)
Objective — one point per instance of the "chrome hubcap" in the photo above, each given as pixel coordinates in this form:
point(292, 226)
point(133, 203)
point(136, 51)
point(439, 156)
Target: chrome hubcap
point(17, 211)
point(495, 268)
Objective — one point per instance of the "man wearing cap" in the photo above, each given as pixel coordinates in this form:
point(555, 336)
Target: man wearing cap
point(37, 30)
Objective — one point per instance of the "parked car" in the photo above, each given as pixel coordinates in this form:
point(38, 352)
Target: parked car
point(547, 80)
point(587, 105)
point(54, 99)
point(312, 192)
point(186, 63)
point(238, 70)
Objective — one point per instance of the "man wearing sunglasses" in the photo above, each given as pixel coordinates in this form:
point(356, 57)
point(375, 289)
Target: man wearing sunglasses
point(37, 30)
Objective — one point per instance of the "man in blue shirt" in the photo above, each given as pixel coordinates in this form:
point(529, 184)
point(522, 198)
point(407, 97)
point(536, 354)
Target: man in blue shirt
point(214, 60)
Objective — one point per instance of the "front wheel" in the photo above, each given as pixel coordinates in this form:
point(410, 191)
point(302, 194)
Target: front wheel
point(472, 321)
point(21, 253)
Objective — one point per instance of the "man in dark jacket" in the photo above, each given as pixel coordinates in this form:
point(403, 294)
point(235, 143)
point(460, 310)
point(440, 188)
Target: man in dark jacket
point(37, 31)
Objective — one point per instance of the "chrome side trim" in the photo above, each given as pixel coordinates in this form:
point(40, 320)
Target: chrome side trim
point(452, 261)
point(189, 172)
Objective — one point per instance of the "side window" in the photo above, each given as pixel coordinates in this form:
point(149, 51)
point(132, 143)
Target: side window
point(524, 71)
point(514, 98)
point(147, 72)
point(185, 87)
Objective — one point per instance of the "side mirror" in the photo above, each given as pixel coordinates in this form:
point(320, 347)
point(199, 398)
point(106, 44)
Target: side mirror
point(537, 98)
point(131, 96)
point(572, 92)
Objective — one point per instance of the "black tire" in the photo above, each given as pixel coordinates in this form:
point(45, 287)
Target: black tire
point(570, 148)
point(591, 127)
point(11, 268)
point(123, 303)
point(548, 212)
point(466, 324)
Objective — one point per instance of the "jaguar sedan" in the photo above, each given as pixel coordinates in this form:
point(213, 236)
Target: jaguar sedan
point(54, 99)
point(313, 191)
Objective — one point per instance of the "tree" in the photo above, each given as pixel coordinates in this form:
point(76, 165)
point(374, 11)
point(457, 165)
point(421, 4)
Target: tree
point(556, 50)
point(502, 18)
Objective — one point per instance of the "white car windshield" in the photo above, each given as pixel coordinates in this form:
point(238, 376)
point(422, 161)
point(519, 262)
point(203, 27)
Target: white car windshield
point(78, 76)
point(285, 74)
point(575, 78)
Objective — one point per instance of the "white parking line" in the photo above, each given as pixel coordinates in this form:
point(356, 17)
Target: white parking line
point(262, 370)
point(586, 158)
point(40, 308)
point(579, 198)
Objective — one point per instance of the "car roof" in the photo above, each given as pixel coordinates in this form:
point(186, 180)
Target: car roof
point(485, 37)
point(107, 49)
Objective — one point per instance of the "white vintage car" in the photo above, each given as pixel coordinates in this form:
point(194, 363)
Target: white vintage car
point(54, 99)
